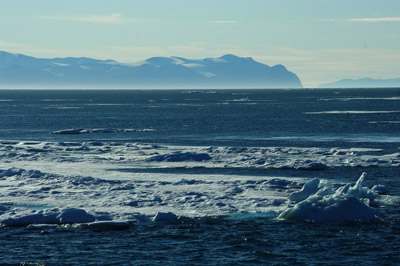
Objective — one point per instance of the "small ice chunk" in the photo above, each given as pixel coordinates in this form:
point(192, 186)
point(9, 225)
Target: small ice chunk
point(33, 174)
point(361, 192)
point(165, 217)
point(3, 209)
point(180, 157)
point(325, 191)
point(308, 165)
point(330, 209)
point(308, 189)
point(47, 216)
point(106, 225)
point(279, 183)
point(11, 172)
point(96, 143)
point(343, 189)
point(235, 190)
point(70, 131)
point(73, 215)
point(381, 189)
point(31, 217)
point(185, 181)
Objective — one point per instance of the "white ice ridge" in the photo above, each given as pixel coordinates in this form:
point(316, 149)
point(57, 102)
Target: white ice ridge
point(320, 203)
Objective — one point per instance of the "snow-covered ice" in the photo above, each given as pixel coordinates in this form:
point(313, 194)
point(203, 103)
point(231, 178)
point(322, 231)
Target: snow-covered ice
point(112, 184)
point(347, 203)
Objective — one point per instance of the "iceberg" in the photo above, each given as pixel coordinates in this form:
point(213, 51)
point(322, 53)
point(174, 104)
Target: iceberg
point(347, 203)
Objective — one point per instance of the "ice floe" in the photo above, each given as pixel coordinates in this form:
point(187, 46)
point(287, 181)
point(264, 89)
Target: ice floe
point(47, 216)
point(136, 153)
point(102, 184)
point(115, 204)
point(162, 217)
point(98, 130)
point(161, 198)
point(320, 203)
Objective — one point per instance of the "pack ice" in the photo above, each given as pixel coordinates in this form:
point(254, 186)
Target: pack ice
point(108, 184)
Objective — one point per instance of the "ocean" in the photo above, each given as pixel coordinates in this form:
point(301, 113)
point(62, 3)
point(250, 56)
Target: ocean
point(200, 177)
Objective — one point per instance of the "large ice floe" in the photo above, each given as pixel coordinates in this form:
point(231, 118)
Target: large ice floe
point(320, 203)
point(109, 184)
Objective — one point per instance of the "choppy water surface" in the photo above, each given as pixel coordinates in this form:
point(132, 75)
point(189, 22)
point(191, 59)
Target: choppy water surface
point(225, 160)
point(212, 242)
point(268, 117)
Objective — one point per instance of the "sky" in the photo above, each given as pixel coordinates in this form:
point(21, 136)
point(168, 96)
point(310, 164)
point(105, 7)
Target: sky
point(319, 40)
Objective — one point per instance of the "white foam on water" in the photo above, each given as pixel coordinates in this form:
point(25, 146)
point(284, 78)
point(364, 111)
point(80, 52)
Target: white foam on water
point(384, 122)
point(361, 99)
point(352, 112)
point(63, 107)
point(73, 131)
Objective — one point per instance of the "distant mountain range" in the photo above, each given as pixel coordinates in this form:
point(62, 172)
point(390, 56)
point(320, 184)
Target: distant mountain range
point(228, 71)
point(363, 83)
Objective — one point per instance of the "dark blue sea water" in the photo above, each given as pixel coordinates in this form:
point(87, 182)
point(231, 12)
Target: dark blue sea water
point(328, 118)
point(240, 117)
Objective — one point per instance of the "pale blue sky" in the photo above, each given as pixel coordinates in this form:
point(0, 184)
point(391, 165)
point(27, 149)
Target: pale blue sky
point(320, 40)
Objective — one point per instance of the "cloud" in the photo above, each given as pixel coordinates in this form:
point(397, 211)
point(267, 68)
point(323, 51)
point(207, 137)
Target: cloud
point(382, 19)
point(318, 66)
point(114, 18)
point(330, 19)
point(10, 45)
point(154, 50)
point(387, 19)
point(191, 48)
point(278, 58)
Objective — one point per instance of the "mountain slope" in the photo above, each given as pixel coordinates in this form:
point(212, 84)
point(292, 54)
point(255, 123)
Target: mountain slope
point(228, 71)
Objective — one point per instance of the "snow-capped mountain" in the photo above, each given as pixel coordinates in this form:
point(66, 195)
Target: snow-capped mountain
point(228, 71)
